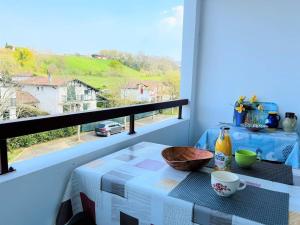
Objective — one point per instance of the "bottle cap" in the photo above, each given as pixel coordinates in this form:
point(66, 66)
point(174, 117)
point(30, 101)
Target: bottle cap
point(225, 128)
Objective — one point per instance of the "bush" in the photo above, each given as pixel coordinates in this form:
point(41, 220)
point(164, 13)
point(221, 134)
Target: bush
point(32, 139)
point(25, 111)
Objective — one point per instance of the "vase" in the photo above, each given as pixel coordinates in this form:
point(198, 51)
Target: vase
point(289, 123)
point(273, 120)
point(239, 118)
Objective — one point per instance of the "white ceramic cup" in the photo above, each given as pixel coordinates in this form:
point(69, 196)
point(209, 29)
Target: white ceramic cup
point(226, 183)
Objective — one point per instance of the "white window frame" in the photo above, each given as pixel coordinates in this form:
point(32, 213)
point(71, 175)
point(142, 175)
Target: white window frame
point(190, 58)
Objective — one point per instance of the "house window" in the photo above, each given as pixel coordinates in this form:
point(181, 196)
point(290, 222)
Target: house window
point(66, 108)
point(85, 106)
point(71, 93)
point(13, 102)
point(6, 115)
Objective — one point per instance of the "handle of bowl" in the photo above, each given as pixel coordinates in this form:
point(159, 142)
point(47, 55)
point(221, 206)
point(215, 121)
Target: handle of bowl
point(243, 185)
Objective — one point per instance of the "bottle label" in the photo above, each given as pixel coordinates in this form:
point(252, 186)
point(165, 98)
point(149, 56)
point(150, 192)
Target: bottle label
point(222, 161)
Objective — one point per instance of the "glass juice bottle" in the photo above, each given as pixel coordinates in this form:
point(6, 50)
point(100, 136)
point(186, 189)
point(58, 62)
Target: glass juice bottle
point(223, 150)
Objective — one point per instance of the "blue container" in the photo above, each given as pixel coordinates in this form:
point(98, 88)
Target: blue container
point(239, 118)
point(273, 120)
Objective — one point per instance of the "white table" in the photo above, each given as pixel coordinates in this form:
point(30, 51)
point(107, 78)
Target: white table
point(131, 186)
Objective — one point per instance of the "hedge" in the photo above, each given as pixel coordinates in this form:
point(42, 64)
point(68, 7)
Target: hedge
point(32, 139)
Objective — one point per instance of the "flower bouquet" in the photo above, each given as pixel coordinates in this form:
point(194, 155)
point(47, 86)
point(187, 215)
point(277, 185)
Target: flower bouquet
point(248, 112)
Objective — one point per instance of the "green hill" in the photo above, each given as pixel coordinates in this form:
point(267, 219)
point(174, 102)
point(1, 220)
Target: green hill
point(102, 74)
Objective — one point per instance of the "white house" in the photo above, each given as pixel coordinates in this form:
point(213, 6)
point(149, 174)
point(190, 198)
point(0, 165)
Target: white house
point(7, 100)
point(136, 92)
point(146, 91)
point(58, 95)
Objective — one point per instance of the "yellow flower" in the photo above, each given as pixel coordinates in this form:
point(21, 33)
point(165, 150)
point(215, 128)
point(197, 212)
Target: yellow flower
point(240, 108)
point(260, 107)
point(253, 99)
point(241, 99)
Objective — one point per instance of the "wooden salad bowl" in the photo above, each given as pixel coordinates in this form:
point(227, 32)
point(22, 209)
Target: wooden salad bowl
point(186, 158)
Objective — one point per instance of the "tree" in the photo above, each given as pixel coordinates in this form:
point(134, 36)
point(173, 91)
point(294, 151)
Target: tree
point(24, 56)
point(7, 93)
point(172, 82)
point(52, 69)
point(8, 101)
point(24, 111)
point(141, 62)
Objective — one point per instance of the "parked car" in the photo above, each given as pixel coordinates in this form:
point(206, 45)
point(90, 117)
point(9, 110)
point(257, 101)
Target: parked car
point(108, 128)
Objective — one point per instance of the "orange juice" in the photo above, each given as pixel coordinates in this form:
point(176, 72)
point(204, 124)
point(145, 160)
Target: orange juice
point(223, 150)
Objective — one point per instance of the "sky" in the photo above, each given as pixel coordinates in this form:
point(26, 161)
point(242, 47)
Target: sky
point(153, 27)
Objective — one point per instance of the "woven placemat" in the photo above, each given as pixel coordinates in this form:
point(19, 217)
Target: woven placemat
point(252, 203)
point(265, 170)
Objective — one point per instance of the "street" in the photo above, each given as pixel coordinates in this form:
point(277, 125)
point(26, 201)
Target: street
point(63, 143)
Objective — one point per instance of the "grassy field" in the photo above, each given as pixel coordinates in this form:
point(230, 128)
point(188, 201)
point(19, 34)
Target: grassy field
point(102, 74)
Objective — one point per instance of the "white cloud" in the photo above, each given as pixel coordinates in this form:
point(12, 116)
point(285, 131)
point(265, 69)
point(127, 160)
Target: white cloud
point(174, 17)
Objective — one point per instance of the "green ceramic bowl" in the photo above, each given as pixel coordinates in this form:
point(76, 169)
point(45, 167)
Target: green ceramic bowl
point(245, 158)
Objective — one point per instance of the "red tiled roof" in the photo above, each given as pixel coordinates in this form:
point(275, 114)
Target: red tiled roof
point(44, 81)
point(152, 83)
point(133, 85)
point(23, 97)
point(23, 75)
point(149, 84)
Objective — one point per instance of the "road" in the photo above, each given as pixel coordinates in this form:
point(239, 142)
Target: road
point(63, 143)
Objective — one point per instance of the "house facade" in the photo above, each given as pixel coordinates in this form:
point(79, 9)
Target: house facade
point(145, 91)
point(137, 92)
point(57, 95)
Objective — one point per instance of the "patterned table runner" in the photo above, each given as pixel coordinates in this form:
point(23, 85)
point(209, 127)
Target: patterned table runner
point(265, 170)
point(253, 203)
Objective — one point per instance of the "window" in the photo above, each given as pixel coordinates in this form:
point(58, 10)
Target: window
point(85, 106)
point(13, 102)
point(87, 92)
point(71, 93)
point(66, 108)
point(6, 115)
point(97, 66)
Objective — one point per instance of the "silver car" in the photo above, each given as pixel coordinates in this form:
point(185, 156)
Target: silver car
point(107, 128)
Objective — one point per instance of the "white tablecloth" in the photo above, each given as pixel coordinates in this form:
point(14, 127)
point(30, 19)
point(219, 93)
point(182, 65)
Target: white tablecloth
point(131, 187)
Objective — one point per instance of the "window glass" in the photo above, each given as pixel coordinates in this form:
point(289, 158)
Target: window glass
point(63, 56)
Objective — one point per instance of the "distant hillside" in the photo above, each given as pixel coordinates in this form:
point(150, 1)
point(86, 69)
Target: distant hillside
point(100, 73)
point(142, 62)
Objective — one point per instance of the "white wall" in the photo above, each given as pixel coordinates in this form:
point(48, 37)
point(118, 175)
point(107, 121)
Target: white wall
point(48, 97)
point(32, 194)
point(247, 47)
point(135, 95)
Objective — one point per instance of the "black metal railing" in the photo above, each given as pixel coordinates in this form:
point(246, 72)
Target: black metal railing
point(20, 127)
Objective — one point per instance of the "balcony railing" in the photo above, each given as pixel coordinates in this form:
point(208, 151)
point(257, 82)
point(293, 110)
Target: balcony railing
point(15, 128)
point(77, 98)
